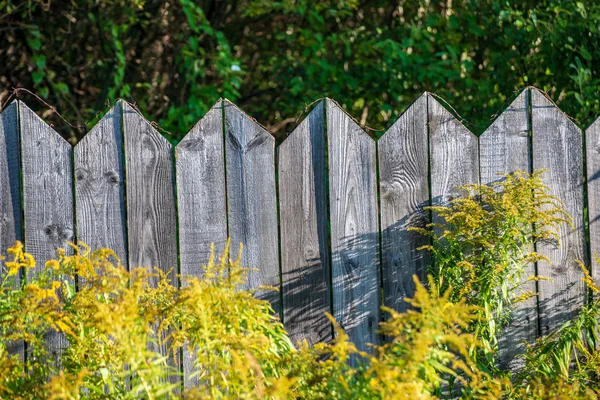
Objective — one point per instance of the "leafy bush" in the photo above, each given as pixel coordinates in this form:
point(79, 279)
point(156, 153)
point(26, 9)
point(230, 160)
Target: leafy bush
point(482, 244)
point(116, 323)
point(125, 335)
point(569, 356)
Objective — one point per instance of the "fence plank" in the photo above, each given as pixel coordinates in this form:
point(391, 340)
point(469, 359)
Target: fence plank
point(304, 249)
point(99, 185)
point(150, 200)
point(47, 187)
point(11, 221)
point(247, 178)
point(592, 143)
point(557, 147)
point(47, 198)
point(354, 227)
point(201, 192)
point(200, 174)
point(11, 224)
point(404, 189)
point(454, 155)
point(504, 148)
point(150, 195)
point(252, 203)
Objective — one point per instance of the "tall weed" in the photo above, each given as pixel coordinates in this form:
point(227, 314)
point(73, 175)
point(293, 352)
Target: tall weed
point(116, 322)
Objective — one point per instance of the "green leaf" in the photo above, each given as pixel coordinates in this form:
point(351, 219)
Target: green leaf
point(40, 61)
point(62, 87)
point(585, 54)
point(35, 44)
point(37, 76)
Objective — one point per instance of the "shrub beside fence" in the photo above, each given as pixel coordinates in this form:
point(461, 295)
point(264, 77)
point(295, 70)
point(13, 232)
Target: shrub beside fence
point(324, 216)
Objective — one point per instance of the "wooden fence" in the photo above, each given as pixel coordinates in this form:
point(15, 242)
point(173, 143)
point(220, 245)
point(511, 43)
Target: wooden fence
point(324, 216)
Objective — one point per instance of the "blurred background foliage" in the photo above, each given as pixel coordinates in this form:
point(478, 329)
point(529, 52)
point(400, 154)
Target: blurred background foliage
point(175, 58)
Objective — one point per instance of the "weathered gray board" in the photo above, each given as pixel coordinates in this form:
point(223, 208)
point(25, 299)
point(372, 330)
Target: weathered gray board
point(200, 173)
point(11, 220)
point(592, 145)
point(306, 169)
point(151, 217)
point(557, 147)
point(47, 187)
point(504, 148)
point(100, 186)
point(404, 191)
point(454, 158)
point(453, 155)
point(47, 197)
point(354, 227)
point(251, 199)
point(303, 219)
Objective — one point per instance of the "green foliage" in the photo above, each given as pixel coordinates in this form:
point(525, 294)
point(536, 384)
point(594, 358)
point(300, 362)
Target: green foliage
point(175, 58)
point(569, 355)
point(116, 322)
point(484, 241)
point(126, 329)
point(426, 345)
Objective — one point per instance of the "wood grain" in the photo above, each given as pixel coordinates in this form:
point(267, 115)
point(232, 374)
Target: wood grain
point(201, 199)
point(453, 160)
point(151, 217)
point(404, 191)
point(100, 186)
point(11, 219)
point(557, 147)
point(47, 187)
point(251, 196)
point(354, 227)
point(201, 192)
point(453, 157)
point(47, 198)
point(303, 218)
point(592, 144)
point(11, 222)
point(504, 148)
point(150, 195)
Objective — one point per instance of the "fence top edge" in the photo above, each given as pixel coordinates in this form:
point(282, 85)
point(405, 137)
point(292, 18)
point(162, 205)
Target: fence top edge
point(302, 115)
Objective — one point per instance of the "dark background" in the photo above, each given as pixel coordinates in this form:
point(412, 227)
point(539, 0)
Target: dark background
point(175, 59)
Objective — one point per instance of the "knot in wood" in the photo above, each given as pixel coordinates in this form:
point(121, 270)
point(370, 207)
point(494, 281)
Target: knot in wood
point(310, 254)
point(112, 178)
point(193, 144)
point(81, 174)
point(58, 234)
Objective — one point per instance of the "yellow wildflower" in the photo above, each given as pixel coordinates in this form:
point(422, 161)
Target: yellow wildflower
point(54, 264)
point(13, 267)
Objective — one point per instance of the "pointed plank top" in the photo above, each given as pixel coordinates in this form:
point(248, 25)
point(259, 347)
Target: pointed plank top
point(302, 128)
point(110, 118)
point(194, 137)
point(246, 133)
point(518, 105)
point(444, 116)
point(131, 113)
point(540, 100)
point(334, 107)
point(27, 113)
point(417, 106)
